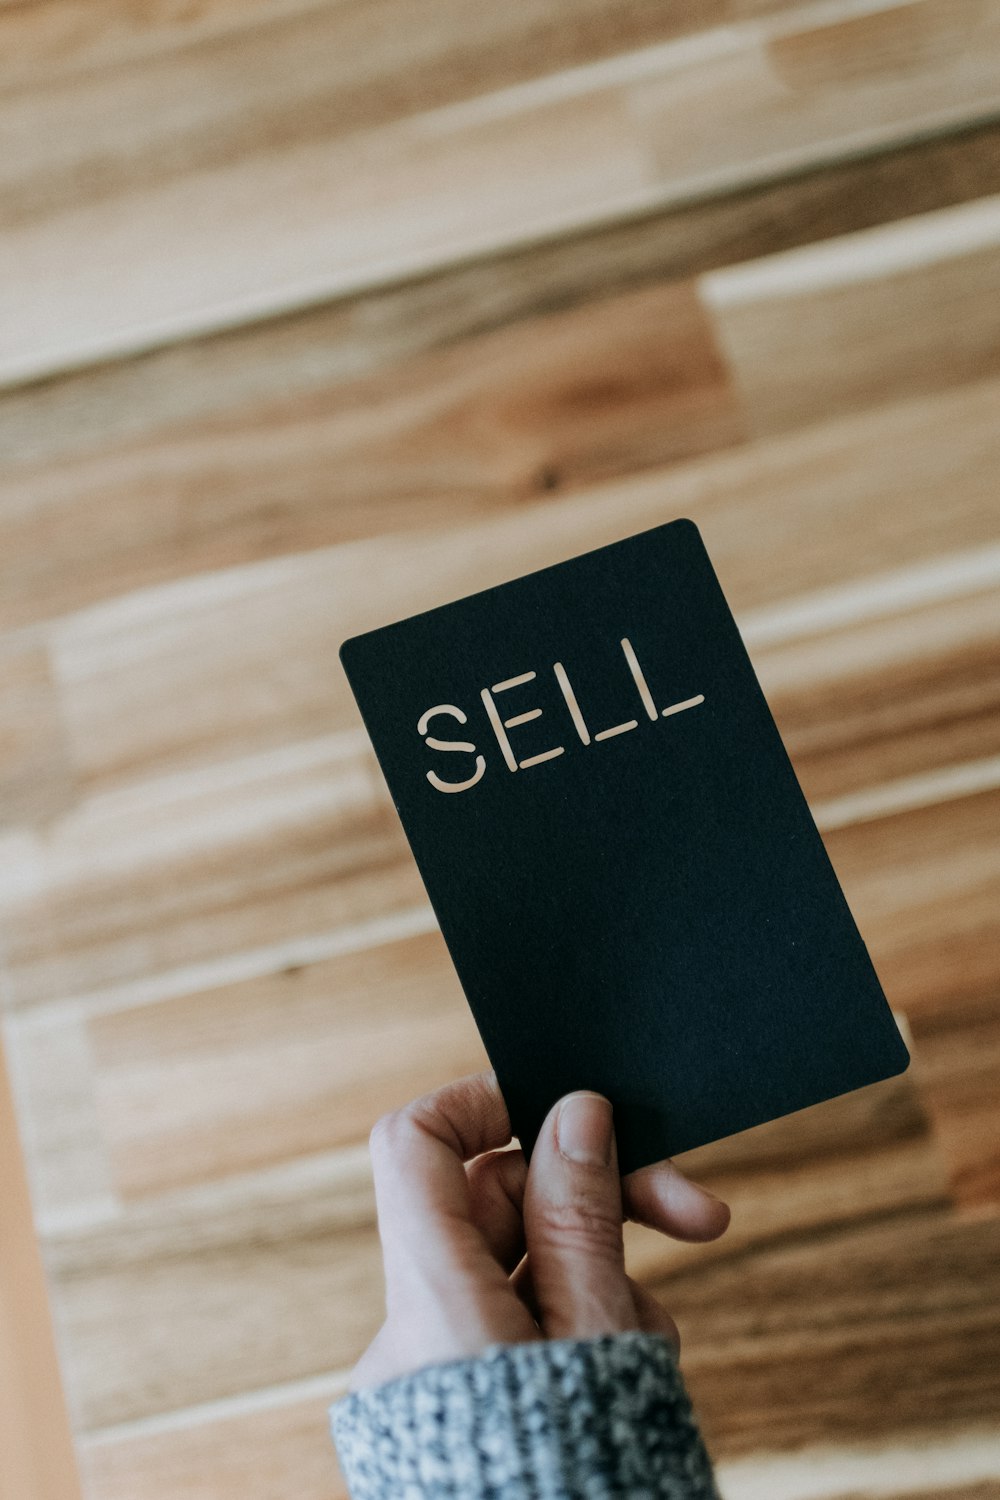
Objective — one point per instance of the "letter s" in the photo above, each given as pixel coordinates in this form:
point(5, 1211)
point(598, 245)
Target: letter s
point(465, 745)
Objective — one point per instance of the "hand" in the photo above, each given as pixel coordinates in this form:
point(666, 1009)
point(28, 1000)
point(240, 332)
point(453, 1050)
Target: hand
point(479, 1249)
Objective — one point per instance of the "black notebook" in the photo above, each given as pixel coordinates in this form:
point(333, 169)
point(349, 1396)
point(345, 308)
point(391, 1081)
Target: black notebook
point(623, 865)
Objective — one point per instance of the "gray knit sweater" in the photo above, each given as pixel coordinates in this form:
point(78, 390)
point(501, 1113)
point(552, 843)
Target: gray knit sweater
point(571, 1419)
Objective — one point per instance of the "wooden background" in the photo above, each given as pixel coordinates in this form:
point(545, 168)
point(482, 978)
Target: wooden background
point(316, 312)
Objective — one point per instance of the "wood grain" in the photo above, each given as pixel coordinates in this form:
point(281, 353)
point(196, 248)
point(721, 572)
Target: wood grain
point(379, 203)
point(927, 1333)
point(36, 1455)
point(778, 517)
point(336, 1063)
point(903, 301)
point(318, 72)
point(226, 1457)
point(315, 313)
point(283, 1264)
point(87, 410)
point(133, 473)
point(960, 1063)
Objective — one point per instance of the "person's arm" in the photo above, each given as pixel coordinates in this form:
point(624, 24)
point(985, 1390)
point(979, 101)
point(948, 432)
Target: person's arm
point(595, 1417)
point(517, 1358)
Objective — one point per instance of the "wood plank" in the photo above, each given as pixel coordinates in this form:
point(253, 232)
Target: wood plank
point(849, 78)
point(271, 73)
point(208, 669)
point(37, 1460)
point(113, 407)
point(988, 1490)
point(223, 1289)
point(909, 307)
point(321, 1051)
point(785, 1345)
point(823, 1166)
point(66, 1153)
point(960, 1064)
point(460, 293)
point(135, 473)
point(183, 870)
point(282, 1265)
point(179, 879)
point(923, 886)
point(452, 434)
point(341, 215)
point(888, 698)
point(955, 1465)
point(36, 780)
point(658, 126)
point(132, 1104)
point(263, 1454)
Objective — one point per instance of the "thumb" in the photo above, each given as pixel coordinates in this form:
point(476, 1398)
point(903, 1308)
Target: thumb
point(573, 1223)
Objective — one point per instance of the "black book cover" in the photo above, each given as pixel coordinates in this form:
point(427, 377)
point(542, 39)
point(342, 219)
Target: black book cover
point(622, 862)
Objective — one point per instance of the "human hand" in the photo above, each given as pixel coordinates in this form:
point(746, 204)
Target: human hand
point(480, 1249)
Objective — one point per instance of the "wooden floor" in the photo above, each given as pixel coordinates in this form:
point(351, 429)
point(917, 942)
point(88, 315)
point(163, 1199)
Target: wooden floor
point(316, 312)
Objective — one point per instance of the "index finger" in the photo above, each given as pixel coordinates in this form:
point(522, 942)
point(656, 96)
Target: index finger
point(421, 1188)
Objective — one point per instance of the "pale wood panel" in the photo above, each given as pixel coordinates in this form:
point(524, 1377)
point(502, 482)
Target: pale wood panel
point(266, 1454)
point(912, 306)
point(185, 869)
point(257, 1279)
point(849, 80)
point(66, 1149)
point(212, 1322)
point(752, 101)
point(36, 779)
point(220, 81)
point(36, 1452)
point(179, 1085)
point(340, 215)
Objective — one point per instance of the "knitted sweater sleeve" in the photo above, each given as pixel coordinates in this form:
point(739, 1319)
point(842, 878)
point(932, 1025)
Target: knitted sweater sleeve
point(568, 1419)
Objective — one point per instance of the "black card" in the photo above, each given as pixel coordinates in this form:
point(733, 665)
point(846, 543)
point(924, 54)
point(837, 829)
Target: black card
point(620, 857)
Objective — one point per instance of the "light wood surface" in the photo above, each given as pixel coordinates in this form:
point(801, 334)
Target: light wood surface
point(314, 313)
point(36, 1450)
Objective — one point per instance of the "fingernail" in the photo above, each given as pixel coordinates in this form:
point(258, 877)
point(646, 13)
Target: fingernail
point(689, 1192)
point(583, 1129)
